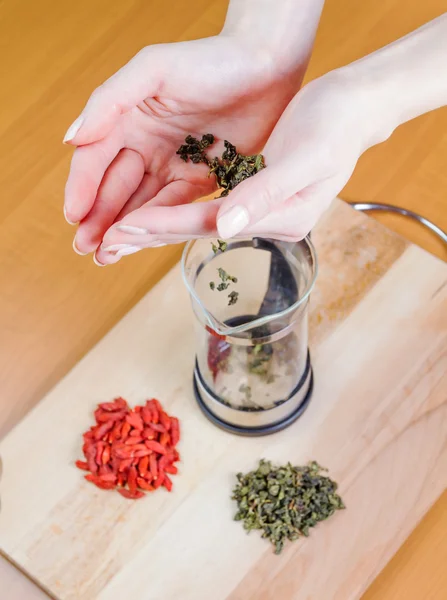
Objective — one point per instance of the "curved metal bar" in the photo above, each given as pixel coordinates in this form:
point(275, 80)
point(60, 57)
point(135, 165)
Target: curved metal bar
point(367, 206)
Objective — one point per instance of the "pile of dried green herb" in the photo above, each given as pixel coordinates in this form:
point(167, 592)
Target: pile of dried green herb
point(230, 170)
point(285, 502)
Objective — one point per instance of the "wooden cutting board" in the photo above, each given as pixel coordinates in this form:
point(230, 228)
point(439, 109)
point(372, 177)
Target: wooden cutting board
point(377, 420)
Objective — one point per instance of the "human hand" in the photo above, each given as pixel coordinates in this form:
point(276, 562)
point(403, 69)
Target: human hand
point(125, 161)
point(310, 155)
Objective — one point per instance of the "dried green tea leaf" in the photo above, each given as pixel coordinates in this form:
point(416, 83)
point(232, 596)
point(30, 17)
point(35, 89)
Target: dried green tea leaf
point(230, 170)
point(194, 149)
point(232, 298)
point(285, 502)
point(221, 246)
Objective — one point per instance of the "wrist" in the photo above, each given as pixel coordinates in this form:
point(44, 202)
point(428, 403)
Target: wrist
point(283, 33)
point(370, 97)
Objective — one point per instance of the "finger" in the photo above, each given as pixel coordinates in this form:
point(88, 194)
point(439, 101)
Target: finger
point(87, 169)
point(298, 215)
point(170, 212)
point(256, 197)
point(134, 82)
point(148, 189)
point(120, 181)
point(174, 225)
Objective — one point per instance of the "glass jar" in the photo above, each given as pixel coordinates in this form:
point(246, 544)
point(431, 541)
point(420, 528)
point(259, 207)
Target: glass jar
point(253, 372)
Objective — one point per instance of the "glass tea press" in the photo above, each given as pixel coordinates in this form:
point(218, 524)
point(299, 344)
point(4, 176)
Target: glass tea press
point(253, 374)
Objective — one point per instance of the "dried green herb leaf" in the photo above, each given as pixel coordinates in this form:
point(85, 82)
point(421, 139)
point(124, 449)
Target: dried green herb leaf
point(221, 246)
point(212, 285)
point(194, 149)
point(232, 298)
point(230, 170)
point(285, 502)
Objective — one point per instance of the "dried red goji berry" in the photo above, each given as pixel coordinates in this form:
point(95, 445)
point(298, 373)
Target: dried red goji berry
point(82, 465)
point(167, 483)
point(175, 431)
point(105, 417)
point(106, 454)
point(132, 479)
point(142, 453)
point(154, 410)
point(125, 464)
point(165, 420)
point(104, 485)
point(149, 434)
point(125, 430)
point(108, 406)
point(159, 481)
point(171, 469)
point(143, 465)
point(135, 420)
point(101, 431)
point(144, 485)
point(108, 477)
point(133, 440)
point(146, 414)
point(128, 494)
point(90, 455)
point(165, 439)
point(153, 466)
point(155, 446)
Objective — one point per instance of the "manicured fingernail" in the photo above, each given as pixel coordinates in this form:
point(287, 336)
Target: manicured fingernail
point(132, 230)
point(116, 247)
point(75, 248)
point(73, 129)
point(128, 250)
point(96, 261)
point(233, 222)
point(67, 219)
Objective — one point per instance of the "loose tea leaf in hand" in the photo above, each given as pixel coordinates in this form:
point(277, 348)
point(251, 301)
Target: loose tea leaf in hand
point(230, 170)
point(285, 502)
point(194, 149)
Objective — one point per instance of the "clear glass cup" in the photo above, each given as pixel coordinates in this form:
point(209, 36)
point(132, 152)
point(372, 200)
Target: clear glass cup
point(253, 369)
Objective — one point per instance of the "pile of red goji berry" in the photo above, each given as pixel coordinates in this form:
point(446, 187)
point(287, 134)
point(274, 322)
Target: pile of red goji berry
point(131, 450)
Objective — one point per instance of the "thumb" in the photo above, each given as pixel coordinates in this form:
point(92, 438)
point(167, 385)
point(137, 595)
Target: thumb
point(134, 82)
point(255, 198)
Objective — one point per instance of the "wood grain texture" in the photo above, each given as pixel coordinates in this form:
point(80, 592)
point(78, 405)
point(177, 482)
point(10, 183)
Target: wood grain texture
point(377, 419)
point(56, 305)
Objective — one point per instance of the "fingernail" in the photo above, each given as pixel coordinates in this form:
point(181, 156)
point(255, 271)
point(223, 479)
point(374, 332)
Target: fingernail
point(73, 129)
point(67, 219)
point(96, 261)
point(75, 248)
point(233, 222)
point(116, 247)
point(132, 230)
point(128, 250)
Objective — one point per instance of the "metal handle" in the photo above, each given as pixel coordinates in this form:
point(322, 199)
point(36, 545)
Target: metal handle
point(367, 206)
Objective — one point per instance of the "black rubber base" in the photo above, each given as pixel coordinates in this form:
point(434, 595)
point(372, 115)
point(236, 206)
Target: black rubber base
point(256, 431)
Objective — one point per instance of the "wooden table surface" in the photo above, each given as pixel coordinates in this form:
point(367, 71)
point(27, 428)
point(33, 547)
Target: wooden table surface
point(55, 305)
